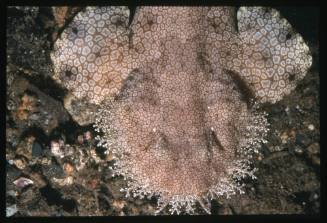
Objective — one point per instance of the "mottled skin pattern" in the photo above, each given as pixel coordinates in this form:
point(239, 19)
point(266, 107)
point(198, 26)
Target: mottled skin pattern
point(179, 83)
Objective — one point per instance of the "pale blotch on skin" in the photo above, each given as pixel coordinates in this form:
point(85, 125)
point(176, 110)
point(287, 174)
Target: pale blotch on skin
point(176, 90)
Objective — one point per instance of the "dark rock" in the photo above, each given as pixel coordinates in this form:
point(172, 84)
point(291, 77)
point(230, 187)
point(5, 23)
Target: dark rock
point(53, 170)
point(38, 178)
point(69, 205)
point(12, 174)
point(31, 102)
point(37, 149)
point(12, 136)
point(52, 196)
point(302, 140)
point(29, 196)
point(25, 147)
point(81, 111)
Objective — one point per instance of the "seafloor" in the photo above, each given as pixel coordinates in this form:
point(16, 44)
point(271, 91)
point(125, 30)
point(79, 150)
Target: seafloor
point(79, 182)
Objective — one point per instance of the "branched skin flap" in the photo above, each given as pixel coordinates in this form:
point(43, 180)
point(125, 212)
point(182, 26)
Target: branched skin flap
point(176, 90)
